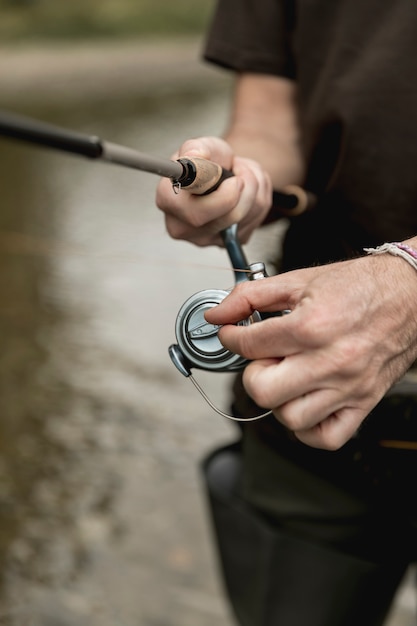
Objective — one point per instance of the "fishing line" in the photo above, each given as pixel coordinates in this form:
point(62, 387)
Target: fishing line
point(228, 416)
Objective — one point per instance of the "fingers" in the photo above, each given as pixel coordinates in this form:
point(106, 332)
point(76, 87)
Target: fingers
point(199, 219)
point(255, 343)
point(277, 336)
point(244, 198)
point(333, 431)
point(272, 294)
point(318, 416)
point(287, 382)
point(255, 199)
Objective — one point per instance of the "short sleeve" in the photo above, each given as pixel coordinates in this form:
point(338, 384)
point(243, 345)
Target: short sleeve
point(252, 36)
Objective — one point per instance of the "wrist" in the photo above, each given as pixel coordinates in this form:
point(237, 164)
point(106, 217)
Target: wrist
point(402, 249)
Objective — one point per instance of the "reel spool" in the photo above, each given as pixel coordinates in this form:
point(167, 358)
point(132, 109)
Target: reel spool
point(198, 340)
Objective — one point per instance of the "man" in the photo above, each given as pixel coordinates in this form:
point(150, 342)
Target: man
point(314, 509)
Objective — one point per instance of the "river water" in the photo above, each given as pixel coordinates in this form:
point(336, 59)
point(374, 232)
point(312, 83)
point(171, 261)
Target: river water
point(103, 518)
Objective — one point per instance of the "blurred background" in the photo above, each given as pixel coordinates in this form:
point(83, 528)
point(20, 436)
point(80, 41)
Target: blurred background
point(38, 20)
point(102, 509)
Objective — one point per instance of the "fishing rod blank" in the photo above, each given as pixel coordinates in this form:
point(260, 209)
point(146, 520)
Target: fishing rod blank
point(199, 176)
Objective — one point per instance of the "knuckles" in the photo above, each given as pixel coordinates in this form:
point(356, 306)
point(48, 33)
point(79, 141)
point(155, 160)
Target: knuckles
point(176, 229)
point(262, 393)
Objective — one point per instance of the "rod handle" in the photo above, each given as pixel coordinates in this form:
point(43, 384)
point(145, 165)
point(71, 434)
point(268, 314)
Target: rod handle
point(201, 176)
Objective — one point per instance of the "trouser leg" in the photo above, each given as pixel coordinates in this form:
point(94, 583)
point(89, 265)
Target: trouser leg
point(276, 578)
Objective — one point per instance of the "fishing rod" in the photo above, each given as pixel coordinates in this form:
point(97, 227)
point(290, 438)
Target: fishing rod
point(197, 175)
point(198, 344)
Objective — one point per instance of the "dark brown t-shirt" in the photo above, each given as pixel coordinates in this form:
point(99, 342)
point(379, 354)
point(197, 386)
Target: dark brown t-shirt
point(355, 65)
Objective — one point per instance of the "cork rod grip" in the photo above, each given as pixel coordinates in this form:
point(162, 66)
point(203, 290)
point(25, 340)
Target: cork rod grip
point(201, 176)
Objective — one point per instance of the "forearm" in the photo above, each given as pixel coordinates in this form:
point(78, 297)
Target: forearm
point(264, 127)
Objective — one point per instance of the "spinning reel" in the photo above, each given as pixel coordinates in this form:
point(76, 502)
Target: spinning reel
point(198, 342)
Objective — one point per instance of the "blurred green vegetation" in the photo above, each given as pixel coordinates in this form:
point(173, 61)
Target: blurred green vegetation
point(31, 20)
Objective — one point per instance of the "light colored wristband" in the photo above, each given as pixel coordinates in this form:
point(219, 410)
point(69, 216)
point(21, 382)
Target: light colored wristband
point(396, 248)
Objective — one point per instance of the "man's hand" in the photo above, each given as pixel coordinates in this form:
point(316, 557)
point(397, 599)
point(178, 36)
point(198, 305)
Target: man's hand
point(351, 334)
point(244, 199)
